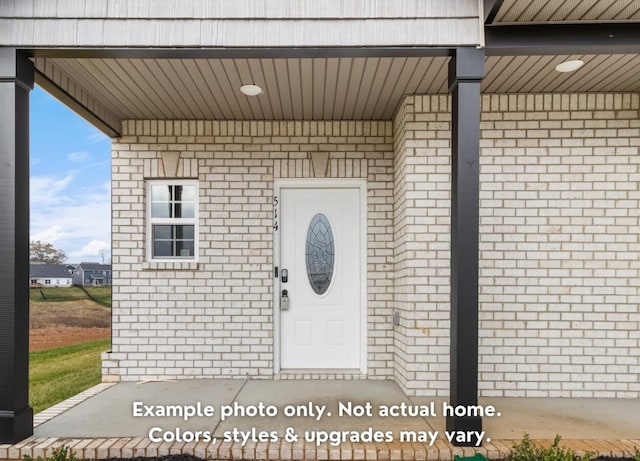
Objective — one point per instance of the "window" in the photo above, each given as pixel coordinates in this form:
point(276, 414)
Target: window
point(320, 253)
point(173, 217)
point(47, 281)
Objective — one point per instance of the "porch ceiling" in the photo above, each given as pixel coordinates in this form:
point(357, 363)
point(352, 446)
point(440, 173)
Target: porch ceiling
point(518, 11)
point(319, 88)
point(347, 88)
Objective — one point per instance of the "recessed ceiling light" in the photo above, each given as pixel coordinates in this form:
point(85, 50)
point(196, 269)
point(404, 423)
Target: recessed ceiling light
point(570, 66)
point(251, 90)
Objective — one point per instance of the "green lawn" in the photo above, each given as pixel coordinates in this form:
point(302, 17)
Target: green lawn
point(57, 374)
point(100, 295)
point(56, 294)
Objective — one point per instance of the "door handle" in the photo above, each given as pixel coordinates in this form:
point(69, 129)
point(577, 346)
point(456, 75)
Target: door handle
point(285, 275)
point(284, 300)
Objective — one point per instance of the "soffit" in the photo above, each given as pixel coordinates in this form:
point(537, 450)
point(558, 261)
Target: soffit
point(299, 88)
point(619, 73)
point(348, 88)
point(519, 11)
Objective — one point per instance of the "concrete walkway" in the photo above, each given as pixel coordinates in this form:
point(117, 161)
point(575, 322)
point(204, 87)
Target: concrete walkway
point(341, 419)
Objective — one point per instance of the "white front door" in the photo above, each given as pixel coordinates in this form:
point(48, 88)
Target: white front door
point(321, 261)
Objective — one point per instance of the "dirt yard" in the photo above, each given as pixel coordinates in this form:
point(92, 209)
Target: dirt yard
point(47, 338)
point(56, 324)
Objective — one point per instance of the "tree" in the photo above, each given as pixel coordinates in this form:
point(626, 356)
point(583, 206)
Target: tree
point(45, 253)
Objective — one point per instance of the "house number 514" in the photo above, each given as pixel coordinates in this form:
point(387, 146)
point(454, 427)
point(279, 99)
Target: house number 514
point(275, 212)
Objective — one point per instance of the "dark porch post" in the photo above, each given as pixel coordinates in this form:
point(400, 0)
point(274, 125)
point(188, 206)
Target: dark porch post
point(16, 80)
point(466, 70)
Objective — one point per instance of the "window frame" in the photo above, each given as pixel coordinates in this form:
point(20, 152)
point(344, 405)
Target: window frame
point(151, 221)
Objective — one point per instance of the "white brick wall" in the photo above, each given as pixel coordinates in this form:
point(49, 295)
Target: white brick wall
point(560, 248)
point(214, 317)
point(559, 244)
point(422, 218)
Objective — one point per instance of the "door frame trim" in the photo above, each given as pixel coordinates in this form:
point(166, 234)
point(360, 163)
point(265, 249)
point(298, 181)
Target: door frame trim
point(319, 183)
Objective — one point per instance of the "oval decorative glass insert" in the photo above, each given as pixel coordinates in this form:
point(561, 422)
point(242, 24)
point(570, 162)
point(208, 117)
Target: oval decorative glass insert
point(320, 253)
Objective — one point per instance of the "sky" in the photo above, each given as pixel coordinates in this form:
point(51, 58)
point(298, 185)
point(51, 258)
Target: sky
point(70, 181)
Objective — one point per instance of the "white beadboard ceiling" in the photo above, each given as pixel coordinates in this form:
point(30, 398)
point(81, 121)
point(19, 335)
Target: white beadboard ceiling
point(310, 89)
point(350, 88)
point(518, 11)
point(536, 74)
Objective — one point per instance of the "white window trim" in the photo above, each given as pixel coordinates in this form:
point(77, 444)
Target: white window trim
point(195, 220)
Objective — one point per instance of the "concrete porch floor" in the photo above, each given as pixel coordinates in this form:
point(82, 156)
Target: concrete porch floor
point(99, 423)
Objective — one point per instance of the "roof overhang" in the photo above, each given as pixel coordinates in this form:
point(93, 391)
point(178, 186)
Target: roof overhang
point(345, 80)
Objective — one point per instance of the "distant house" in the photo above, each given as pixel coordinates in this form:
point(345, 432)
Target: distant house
point(50, 275)
point(92, 274)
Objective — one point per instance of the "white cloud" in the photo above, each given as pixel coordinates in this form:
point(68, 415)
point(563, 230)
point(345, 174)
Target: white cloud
point(94, 251)
point(78, 157)
point(51, 234)
point(72, 218)
point(47, 190)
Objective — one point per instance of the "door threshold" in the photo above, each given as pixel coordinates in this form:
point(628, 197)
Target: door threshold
point(321, 371)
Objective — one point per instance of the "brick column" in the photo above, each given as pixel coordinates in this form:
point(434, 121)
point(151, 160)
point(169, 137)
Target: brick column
point(16, 80)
